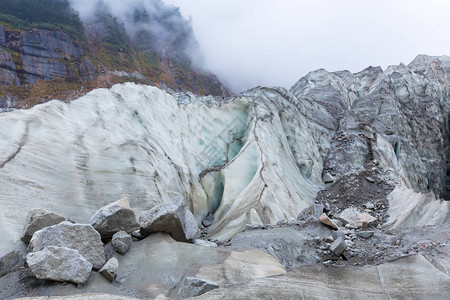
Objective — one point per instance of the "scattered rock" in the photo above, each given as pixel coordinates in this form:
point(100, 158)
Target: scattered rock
point(324, 219)
point(208, 220)
point(109, 270)
point(340, 233)
point(109, 251)
point(38, 219)
point(59, 264)
point(329, 239)
point(121, 242)
point(81, 237)
point(172, 218)
point(11, 262)
point(114, 217)
point(192, 287)
point(311, 213)
point(370, 179)
point(328, 178)
point(337, 222)
point(365, 219)
point(348, 215)
point(362, 221)
point(370, 205)
point(338, 246)
point(137, 235)
point(365, 234)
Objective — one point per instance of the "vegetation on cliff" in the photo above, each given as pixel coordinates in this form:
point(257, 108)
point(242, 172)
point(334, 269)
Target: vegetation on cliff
point(152, 46)
point(42, 14)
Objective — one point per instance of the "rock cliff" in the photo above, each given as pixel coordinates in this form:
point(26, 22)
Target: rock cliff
point(68, 58)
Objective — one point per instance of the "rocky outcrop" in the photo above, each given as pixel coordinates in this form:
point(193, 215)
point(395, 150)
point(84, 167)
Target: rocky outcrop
point(80, 237)
point(38, 219)
point(115, 217)
point(8, 75)
point(172, 218)
point(44, 55)
point(73, 58)
point(59, 264)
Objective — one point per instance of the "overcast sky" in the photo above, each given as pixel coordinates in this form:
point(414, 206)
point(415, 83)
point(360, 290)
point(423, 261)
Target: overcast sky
point(276, 42)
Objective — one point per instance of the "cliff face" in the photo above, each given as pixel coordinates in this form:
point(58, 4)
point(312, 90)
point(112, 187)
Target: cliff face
point(37, 64)
point(41, 55)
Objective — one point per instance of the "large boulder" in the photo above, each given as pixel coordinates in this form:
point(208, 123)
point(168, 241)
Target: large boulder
point(38, 219)
point(338, 246)
point(172, 218)
point(109, 270)
point(11, 262)
point(311, 213)
point(192, 287)
point(121, 241)
point(59, 264)
point(114, 217)
point(348, 215)
point(81, 237)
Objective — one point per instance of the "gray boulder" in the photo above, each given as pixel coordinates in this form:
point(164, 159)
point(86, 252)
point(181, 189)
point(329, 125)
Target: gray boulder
point(80, 237)
point(324, 219)
point(59, 264)
point(38, 219)
point(348, 215)
point(365, 234)
point(338, 246)
point(311, 213)
point(114, 217)
point(192, 287)
point(109, 270)
point(172, 218)
point(11, 262)
point(121, 242)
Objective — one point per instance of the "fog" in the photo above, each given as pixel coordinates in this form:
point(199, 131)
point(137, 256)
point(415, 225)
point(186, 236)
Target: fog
point(267, 42)
point(170, 32)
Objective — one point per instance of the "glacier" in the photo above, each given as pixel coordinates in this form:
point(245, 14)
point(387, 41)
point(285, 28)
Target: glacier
point(255, 159)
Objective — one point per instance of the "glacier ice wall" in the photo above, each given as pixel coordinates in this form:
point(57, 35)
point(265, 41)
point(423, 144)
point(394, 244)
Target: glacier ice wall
point(141, 142)
point(257, 158)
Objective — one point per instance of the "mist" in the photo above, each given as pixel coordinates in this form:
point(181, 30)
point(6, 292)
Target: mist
point(171, 34)
point(274, 43)
point(247, 43)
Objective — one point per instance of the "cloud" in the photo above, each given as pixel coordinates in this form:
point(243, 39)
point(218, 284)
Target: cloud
point(264, 42)
point(170, 33)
